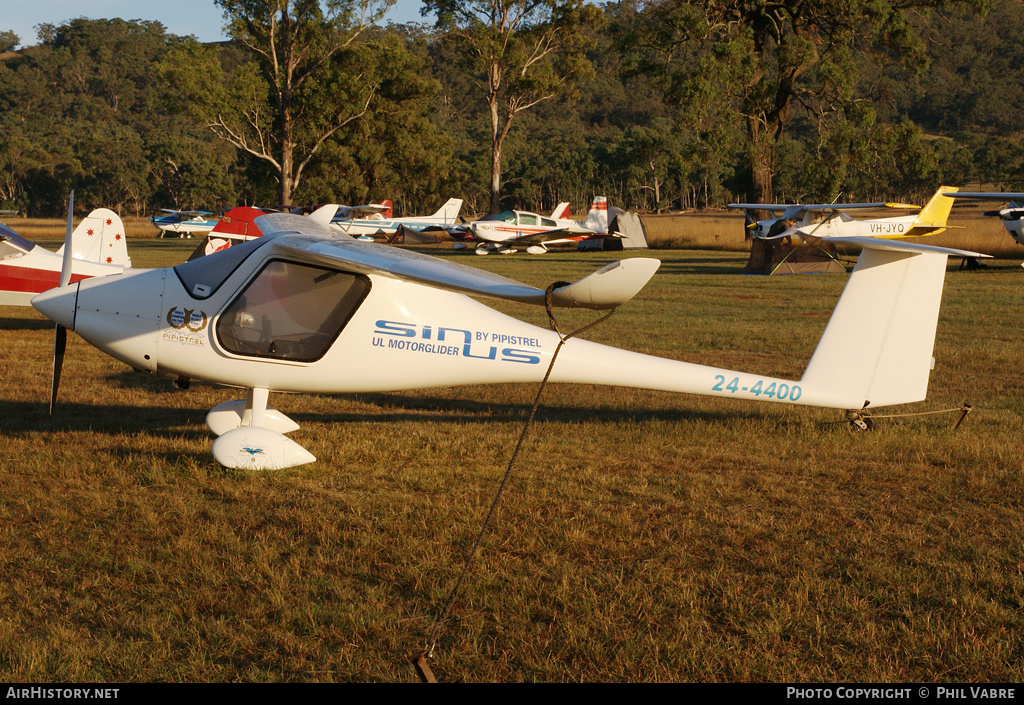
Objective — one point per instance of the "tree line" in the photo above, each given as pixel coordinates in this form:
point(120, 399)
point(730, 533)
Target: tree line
point(516, 103)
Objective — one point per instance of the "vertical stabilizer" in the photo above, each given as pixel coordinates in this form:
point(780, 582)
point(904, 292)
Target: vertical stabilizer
point(936, 210)
point(561, 210)
point(449, 212)
point(878, 343)
point(597, 218)
point(100, 238)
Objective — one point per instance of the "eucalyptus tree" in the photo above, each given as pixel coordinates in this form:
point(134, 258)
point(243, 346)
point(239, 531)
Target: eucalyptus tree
point(308, 79)
point(520, 52)
point(758, 60)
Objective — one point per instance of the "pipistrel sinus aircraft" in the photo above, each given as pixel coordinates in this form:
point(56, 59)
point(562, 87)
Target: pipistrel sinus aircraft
point(1012, 214)
point(288, 312)
point(183, 223)
point(97, 248)
point(377, 220)
point(505, 231)
point(833, 220)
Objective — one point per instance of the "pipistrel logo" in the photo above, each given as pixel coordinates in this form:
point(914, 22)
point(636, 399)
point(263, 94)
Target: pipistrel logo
point(187, 324)
point(187, 319)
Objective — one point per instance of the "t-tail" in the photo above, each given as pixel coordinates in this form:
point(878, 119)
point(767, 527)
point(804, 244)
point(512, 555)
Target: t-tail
point(876, 349)
point(100, 238)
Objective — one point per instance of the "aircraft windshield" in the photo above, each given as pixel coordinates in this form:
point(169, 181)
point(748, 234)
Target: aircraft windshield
point(291, 312)
point(204, 275)
point(12, 244)
point(506, 217)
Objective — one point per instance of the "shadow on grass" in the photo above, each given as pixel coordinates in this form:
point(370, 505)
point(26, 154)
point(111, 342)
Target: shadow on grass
point(26, 324)
point(396, 408)
point(33, 417)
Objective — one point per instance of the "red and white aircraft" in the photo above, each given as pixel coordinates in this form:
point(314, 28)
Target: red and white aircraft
point(26, 269)
point(239, 225)
point(235, 227)
point(504, 231)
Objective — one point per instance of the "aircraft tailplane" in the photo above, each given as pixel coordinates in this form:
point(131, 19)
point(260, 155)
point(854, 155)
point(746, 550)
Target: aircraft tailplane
point(936, 210)
point(449, 212)
point(597, 218)
point(877, 347)
point(100, 238)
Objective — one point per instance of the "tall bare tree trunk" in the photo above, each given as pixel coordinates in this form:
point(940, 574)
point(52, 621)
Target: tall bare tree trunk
point(761, 160)
point(497, 138)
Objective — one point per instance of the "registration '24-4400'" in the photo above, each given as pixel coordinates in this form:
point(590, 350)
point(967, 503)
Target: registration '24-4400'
point(774, 390)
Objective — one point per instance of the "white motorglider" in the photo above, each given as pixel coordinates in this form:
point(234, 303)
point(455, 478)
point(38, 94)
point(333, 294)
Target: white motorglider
point(290, 311)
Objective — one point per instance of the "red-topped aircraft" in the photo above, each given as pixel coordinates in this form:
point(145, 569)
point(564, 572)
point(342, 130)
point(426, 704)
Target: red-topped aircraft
point(26, 269)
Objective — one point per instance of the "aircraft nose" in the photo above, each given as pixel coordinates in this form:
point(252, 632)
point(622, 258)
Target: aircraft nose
point(59, 305)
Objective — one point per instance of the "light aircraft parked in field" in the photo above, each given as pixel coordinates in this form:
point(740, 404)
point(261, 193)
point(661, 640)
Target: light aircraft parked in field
point(833, 220)
point(237, 225)
point(506, 231)
point(290, 311)
point(97, 248)
point(183, 223)
point(1012, 214)
point(376, 219)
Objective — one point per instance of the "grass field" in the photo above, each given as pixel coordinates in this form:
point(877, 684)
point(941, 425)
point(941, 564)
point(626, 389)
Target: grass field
point(644, 536)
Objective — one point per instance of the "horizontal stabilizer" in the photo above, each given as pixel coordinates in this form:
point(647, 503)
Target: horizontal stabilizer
point(874, 243)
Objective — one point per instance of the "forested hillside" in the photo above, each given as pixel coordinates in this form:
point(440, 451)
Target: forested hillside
point(654, 111)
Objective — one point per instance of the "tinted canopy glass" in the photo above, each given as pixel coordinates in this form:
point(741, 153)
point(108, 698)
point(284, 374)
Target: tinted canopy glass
point(290, 311)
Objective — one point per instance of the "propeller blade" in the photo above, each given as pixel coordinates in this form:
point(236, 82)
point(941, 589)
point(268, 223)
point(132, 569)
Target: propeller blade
point(60, 333)
point(65, 267)
point(60, 341)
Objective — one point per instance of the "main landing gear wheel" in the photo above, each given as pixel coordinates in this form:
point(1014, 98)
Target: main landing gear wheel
point(859, 421)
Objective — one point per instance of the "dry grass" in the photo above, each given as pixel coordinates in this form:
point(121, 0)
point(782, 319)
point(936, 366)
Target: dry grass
point(644, 537)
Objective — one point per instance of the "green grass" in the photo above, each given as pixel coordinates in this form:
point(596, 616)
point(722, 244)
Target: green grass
point(645, 536)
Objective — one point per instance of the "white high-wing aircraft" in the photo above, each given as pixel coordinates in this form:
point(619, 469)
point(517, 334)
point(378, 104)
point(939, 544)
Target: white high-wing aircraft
point(376, 219)
point(832, 219)
point(1012, 214)
point(97, 248)
point(290, 311)
point(505, 231)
